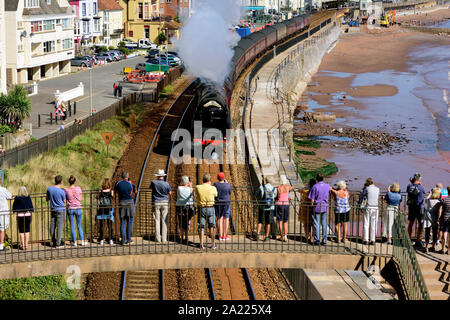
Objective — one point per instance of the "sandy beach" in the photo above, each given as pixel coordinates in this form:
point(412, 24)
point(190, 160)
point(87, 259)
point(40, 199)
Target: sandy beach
point(428, 18)
point(373, 80)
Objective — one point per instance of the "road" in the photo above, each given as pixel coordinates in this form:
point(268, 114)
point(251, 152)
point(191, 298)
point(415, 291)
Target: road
point(102, 93)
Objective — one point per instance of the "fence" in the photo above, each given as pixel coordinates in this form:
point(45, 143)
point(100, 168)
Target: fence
point(246, 215)
point(23, 153)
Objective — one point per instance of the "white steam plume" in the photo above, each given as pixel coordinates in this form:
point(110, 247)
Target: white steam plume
point(206, 42)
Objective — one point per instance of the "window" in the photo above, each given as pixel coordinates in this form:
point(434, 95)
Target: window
point(49, 46)
point(31, 3)
point(130, 33)
point(36, 26)
point(139, 10)
point(66, 23)
point(67, 44)
point(85, 27)
point(169, 1)
point(83, 9)
point(49, 2)
point(146, 11)
point(49, 25)
point(95, 9)
point(96, 25)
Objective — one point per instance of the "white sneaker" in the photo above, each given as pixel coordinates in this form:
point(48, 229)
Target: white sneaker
point(84, 243)
point(101, 242)
point(111, 242)
point(74, 244)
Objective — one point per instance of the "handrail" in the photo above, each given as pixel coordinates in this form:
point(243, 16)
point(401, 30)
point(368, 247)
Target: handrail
point(414, 284)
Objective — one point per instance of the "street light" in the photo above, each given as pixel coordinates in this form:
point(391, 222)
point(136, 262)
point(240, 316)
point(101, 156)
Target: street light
point(90, 86)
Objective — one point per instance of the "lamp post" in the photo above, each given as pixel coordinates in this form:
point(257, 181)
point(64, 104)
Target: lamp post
point(90, 87)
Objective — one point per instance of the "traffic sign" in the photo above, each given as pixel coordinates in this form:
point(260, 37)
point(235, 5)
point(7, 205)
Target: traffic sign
point(107, 136)
point(58, 112)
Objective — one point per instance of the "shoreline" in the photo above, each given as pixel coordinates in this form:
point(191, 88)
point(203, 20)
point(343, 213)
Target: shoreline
point(344, 88)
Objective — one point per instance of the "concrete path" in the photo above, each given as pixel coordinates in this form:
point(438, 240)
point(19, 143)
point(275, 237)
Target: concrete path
point(102, 93)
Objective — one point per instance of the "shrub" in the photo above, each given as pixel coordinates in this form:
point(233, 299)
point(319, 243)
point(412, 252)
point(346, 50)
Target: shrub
point(124, 50)
point(101, 49)
point(14, 107)
point(4, 129)
point(111, 48)
point(162, 38)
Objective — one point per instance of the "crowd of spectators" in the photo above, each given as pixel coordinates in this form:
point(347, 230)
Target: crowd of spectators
point(212, 203)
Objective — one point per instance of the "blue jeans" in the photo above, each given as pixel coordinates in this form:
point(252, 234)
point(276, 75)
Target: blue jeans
point(75, 214)
point(126, 228)
point(320, 219)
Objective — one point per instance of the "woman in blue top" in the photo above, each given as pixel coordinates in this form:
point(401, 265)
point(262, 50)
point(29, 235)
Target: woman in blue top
point(393, 199)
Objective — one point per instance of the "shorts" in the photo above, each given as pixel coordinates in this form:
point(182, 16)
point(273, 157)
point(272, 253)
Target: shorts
point(222, 210)
point(415, 212)
point(24, 224)
point(282, 213)
point(444, 226)
point(265, 216)
point(341, 217)
point(206, 214)
point(185, 213)
point(4, 222)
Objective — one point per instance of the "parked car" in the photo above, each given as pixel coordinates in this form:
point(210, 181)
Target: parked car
point(140, 66)
point(141, 44)
point(118, 53)
point(92, 58)
point(152, 53)
point(156, 61)
point(106, 56)
point(170, 57)
point(81, 62)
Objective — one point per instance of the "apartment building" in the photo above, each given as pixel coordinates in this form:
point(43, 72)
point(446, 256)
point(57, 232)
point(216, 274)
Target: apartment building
point(2, 48)
point(175, 8)
point(111, 22)
point(39, 34)
point(87, 26)
point(141, 19)
point(278, 5)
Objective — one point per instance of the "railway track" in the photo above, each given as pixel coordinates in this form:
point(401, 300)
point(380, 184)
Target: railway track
point(230, 284)
point(143, 285)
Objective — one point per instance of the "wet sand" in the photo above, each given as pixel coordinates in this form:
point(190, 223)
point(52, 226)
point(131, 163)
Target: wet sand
point(392, 81)
point(428, 18)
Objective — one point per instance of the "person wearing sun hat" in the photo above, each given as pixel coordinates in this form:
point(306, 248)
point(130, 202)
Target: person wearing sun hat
point(222, 205)
point(160, 199)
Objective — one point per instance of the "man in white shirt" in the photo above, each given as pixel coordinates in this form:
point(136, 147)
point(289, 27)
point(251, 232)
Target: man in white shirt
point(371, 212)
point(5, 195)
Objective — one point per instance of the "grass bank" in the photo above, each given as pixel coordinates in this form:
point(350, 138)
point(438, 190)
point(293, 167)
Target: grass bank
point(308, 163)
point(86, 158)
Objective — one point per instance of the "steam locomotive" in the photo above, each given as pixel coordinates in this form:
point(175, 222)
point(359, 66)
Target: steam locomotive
point(212, 103)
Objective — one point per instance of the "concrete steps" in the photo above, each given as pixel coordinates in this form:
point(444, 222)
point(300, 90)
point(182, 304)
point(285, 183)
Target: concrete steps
point(435, 271)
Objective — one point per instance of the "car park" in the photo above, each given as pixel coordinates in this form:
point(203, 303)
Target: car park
point(106, 56)
point(118, 53)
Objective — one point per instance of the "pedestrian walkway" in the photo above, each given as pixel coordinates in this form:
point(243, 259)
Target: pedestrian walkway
point(436, 273)
point(102, 94)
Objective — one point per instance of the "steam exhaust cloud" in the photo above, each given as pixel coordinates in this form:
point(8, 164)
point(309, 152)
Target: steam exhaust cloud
point(206, 42)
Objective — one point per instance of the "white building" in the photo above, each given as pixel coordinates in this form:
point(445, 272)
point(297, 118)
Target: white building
point(39, 34)
point(111, 22)
point(276, 5)
point(371, 9)
point(2, 48)
point(87, 26)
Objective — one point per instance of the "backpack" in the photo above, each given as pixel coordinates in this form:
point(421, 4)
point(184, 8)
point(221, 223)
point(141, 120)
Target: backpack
point(105, 200)
point(268, 198)
point(412, 195)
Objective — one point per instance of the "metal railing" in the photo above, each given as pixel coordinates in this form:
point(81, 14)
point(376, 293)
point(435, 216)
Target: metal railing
point(405, 256)
point(245, 213)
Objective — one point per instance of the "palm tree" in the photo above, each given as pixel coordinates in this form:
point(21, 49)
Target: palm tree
point(15, 107)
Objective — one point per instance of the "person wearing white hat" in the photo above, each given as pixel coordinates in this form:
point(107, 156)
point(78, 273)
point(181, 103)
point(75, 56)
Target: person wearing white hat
point(160, 199)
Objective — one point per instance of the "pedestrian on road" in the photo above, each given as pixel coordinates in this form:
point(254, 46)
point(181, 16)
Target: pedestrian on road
point(185, 207)
point(119, 90)
point(115, 89)
point(57, 197)
point(319, 197)
point(5, 195)
point(125, 191)
point(61, 127)
point(105, 213)
point(222, 205)
point(370, 212)
point(23, 206)
point(416, 197)
point(160, 201)
point(341, 210)
point(74, 211)
point(204, 199)
point(430, 219)
point(266, 195)
point(393, 199)
point(282, 207)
